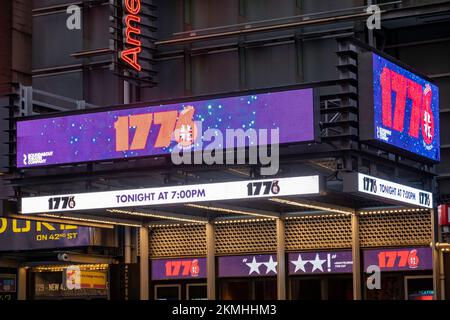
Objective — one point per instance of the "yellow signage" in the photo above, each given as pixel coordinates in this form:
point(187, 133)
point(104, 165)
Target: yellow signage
point(93, 279)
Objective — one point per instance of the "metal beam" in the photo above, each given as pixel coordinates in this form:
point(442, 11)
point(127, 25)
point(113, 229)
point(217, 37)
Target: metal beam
point(143, 263)
point(87, 258)
point(436, 255)
point(281, 259)
point(22, 284)
point(276, 27)
point(356, 253)
point(210, 261)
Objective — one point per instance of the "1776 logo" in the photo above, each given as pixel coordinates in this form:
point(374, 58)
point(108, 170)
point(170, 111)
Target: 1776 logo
point(370, 185)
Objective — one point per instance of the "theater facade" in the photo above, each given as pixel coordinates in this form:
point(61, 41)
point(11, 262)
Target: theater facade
point(332, 182)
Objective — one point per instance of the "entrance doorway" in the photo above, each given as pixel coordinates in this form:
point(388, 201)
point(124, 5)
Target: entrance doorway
point(419, 288)
point(168, 292)
point(248, 289)
point(180, 291)
point(323, 288)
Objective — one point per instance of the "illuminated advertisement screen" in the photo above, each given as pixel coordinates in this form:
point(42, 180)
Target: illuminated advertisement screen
point(155, 130)
point(186, 268)
point(399, 259)
point(399, 108)
point(18, 235)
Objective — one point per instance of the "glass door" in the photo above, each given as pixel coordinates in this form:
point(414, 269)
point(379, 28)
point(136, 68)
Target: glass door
point(168, 292)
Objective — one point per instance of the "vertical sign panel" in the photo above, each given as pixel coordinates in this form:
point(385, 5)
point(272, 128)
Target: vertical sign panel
point(398, 108)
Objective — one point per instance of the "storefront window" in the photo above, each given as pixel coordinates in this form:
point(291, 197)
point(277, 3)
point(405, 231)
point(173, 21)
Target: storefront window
point(8, 286)
point(168, 292)
point(325, 288)
point(249, 289)
point(196, 292)
point(51, 284)
point(419, 288)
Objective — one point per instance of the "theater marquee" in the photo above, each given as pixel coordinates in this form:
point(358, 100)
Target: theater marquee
point(173, 195)
point(387, 190)
point(154, 130)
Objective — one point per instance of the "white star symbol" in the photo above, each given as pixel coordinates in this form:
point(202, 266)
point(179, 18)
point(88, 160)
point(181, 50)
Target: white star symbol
point(299, 264)
point(317, 263)
point(271, 265)
point(254, 266)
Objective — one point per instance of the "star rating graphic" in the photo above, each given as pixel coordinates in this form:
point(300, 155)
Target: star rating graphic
point(271, 266)
point(254, 266)
point(317, 263)
point(300, 264)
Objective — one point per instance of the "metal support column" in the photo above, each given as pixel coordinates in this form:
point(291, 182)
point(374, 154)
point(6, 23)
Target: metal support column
point(127, 245)
point(442, 274)
point(436, 262)
point(210, 261)
point(281, 259)
point(144, 271)
point(22, 284)
point(356, 257)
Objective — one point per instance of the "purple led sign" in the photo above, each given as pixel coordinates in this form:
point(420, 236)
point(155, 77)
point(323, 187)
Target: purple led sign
point(186, 268)
point(320, 262)
point(156, 130)
point(399, 259)
point(248, 266)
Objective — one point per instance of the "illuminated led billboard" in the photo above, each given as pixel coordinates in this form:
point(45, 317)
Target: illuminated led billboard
point(123, 133)
point(398, 108)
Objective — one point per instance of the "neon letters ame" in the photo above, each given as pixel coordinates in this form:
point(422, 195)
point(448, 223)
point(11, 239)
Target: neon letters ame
point(132, 45)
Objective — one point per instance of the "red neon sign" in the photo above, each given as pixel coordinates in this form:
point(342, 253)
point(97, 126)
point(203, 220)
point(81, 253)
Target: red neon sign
point(421, 113)
point(392, 259)
point(131, 55)
point(182, 268)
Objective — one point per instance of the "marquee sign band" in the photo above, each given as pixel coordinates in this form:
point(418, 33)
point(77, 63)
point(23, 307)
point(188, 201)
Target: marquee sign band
point(155, 130)
point(172, 195)
point(380, 188)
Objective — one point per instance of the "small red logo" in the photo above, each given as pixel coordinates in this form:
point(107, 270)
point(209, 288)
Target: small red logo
point(427, 117)
point(195, 268)
point(413, 259)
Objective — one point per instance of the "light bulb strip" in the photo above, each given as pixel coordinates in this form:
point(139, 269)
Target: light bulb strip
point(310, 206)
point(158, 216)
point(226, 210)
point(386, 211)
point(92, 220)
